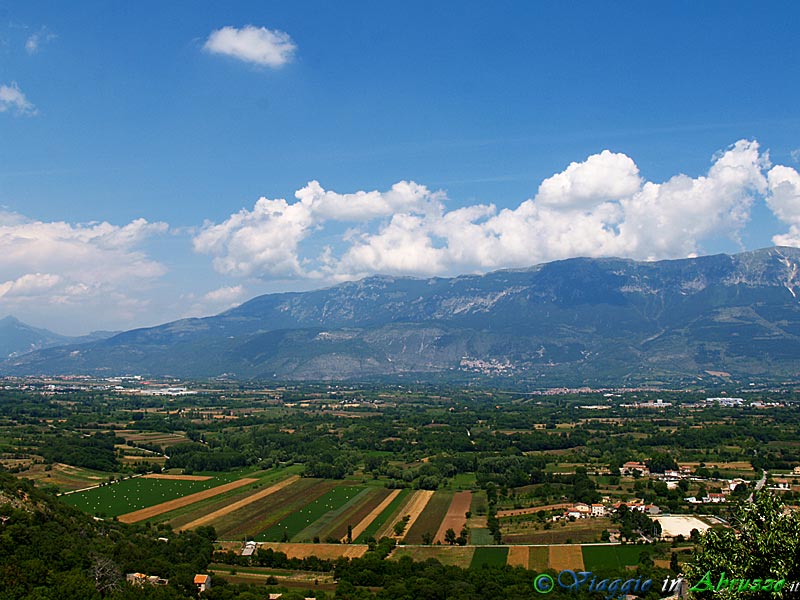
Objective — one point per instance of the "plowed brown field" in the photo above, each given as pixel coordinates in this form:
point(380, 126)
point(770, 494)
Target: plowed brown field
point(456, 517)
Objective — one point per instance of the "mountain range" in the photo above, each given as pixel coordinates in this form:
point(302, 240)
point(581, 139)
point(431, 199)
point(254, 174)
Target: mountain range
point(18, 338)
point(580, 321)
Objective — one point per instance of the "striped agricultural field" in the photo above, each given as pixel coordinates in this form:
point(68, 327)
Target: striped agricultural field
point(332, 524)
point(221, 512)
point(430, 518)
point(260, 515)
point(367, 520)
point(413, 507)
point(388, 515)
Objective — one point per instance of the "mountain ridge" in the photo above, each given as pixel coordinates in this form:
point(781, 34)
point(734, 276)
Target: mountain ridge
point(17, 337)
point(575, 321)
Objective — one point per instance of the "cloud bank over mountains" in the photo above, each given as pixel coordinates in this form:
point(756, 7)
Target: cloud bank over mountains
point(601, 206)
point(93, 268)
point(598, 207)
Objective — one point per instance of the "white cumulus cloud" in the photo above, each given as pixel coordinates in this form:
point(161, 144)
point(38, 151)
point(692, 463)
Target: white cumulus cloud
point(601, 177)
point(12, 98)
point(601, 206)
point(30, 284)
point(257, 45)
point(266, 241)
point(81, 266)
point(212, 302)
point(225, 295)
point(784, 200)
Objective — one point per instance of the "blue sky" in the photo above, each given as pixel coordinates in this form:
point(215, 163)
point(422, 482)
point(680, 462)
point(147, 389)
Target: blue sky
point(137, 138)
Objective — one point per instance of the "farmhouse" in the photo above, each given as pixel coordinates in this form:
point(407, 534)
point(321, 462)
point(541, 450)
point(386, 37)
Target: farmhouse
point(249, 548)
point(579, 510)
point(629, 468)
point(141, 579)
point(714, 498)
point(598, 510)
point(202, 582)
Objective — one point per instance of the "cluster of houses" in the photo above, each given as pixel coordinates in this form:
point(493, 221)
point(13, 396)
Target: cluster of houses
point(672, 477)
point(711, 498)
point(201, 581)
point(580, 510)
point(631, 468)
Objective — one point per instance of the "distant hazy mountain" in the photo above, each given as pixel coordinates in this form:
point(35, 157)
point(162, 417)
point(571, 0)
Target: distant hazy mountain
point(578, 321)
point(17, 338)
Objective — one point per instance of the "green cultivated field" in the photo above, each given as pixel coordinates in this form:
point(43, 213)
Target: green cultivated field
point(493, 557)
point(132, 494)
point(462, 481)
point(480, 536)
point(387, 513)
point(297, 521)
point(610, 557)
point(354, 512)
point(459, 556)
point(335, 520)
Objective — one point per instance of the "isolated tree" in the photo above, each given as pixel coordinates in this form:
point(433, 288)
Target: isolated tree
point(763, 542)
point(450, 536)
